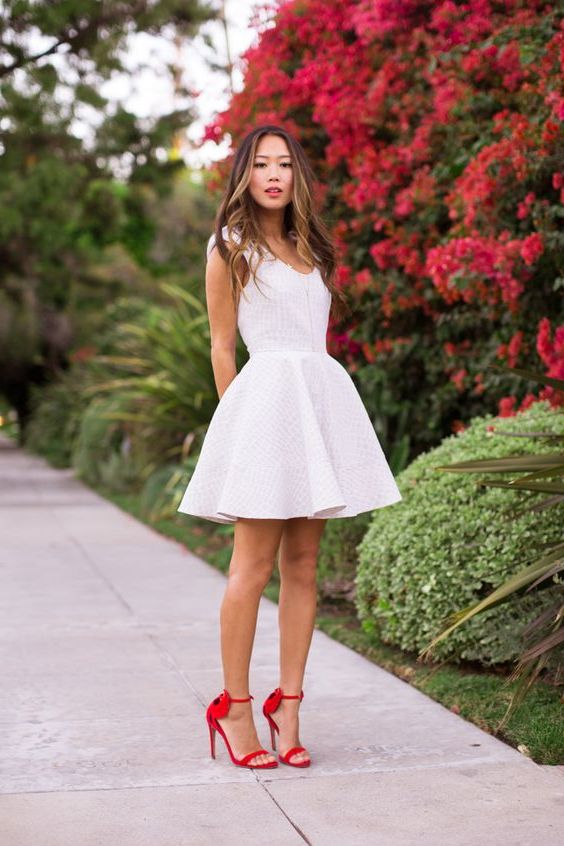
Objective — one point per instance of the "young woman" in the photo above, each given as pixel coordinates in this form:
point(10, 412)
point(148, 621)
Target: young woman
point(290, 444)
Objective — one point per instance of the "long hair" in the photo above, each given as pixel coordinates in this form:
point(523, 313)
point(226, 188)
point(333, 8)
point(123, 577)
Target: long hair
point(302, 221)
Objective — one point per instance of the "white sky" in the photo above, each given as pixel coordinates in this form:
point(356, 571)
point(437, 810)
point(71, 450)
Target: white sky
point(149, 92)
point(147, 89)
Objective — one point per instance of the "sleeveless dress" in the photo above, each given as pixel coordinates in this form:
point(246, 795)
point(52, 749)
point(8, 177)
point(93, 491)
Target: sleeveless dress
point(290, 436)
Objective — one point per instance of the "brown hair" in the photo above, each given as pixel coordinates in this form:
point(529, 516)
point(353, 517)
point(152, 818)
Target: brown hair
point(238, 212)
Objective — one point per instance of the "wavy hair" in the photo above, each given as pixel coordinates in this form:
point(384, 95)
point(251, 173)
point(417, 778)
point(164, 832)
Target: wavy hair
point(302, 221)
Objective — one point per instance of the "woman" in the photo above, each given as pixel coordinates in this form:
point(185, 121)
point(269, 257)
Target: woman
point(290, 443)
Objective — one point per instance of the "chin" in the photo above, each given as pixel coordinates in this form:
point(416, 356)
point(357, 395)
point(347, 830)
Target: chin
point(270, 205)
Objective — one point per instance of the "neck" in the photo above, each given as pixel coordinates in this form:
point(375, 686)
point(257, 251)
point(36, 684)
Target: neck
point(272, 224)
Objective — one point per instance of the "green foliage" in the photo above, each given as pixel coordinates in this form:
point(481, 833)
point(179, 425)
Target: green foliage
point(450, 542)
point(544, 635)
point(66, 200)
point(161, 494)
point(137, 403)
point(57, 409)
point(160, 367)
point(101, 453)
point(337, 559)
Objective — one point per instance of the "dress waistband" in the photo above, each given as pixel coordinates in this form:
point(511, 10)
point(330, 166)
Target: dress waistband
point(287, 350)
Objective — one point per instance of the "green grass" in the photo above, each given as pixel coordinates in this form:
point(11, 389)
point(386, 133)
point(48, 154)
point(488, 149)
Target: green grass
point(536, 728)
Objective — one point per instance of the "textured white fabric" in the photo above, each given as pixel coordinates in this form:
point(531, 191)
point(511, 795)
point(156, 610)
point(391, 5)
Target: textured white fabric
point(290, 436)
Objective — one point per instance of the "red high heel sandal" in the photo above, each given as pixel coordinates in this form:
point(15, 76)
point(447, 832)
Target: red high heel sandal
point(270, 705)
point(220, 708)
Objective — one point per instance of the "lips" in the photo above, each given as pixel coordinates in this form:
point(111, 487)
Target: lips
point(273, 191)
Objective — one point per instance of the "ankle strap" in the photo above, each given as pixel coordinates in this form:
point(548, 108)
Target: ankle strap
point(300, 696)
point(248, 699)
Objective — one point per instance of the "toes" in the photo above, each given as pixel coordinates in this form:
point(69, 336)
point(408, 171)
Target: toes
point(262, 759)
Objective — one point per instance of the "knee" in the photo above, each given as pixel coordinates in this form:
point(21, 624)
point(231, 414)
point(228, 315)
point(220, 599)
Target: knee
point(253, 577)
point(300, 566)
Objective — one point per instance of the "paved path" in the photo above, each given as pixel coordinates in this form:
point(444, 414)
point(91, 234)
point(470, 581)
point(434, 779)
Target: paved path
point(109, 652)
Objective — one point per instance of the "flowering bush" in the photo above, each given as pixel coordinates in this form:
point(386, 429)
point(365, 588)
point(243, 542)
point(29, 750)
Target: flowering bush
point(437, 132)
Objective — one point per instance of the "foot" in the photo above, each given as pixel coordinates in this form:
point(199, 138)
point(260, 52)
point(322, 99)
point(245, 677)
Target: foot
point(241, 733)
point(287, 719)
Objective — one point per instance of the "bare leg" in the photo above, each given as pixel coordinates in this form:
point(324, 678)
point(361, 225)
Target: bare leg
point(297, 608)
point(254, 551)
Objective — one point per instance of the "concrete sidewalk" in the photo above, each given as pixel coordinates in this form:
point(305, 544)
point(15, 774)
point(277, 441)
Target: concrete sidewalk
point(109, 642)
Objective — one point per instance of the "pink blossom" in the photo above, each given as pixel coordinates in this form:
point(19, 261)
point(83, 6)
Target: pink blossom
point(506, 407)
point(531, 248)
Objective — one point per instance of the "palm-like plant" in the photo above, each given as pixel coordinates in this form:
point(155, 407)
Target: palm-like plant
point(543, 636)
point(164, 377)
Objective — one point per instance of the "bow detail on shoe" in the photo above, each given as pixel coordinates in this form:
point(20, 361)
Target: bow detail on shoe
point(220, 706)
point(273, 701)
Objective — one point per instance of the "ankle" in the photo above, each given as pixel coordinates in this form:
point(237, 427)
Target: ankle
point(292, 689)
point(240, 711)
point(290, 708)
point(290, 703)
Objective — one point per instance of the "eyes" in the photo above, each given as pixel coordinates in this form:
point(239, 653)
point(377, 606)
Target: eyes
point(284, 164)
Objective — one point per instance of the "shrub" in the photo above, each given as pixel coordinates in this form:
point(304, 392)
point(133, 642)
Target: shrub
point(56, 413)
point(101, 452)
point(446, 545)
point(337, 561)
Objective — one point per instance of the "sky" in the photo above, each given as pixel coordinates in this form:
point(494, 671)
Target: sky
point(149, 92)
point(146, 87)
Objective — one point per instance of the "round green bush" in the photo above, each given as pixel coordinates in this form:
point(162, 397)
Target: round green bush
point(450, 542)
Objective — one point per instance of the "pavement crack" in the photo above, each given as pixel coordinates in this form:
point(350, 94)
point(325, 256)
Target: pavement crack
point(294, 825)
point(100, 574)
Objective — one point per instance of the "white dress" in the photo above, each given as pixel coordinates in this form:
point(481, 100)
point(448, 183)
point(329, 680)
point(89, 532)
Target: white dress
point(290, 436)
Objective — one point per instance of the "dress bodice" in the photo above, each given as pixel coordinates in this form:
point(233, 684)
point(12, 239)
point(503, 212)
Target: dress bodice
point(281, 308)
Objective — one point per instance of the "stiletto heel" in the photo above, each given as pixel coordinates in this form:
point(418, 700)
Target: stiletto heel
point(270, 705)
point(212, 740)
point(220, 708)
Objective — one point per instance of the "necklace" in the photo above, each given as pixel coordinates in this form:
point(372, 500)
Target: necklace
point(287, 263)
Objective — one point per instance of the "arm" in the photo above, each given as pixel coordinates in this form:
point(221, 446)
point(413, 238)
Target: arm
point(223, 321)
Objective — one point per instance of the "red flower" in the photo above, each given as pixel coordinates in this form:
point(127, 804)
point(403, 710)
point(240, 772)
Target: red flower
point(83, 353)
point(551, 350)
point(513, 348)
point(458, 378)
point(524, 208)
point(368, 351)
point(531, 248)
point(506, 407)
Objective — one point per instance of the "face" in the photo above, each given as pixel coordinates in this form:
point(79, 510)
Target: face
point(271, 168)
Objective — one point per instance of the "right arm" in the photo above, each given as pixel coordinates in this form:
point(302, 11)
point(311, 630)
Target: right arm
point(223, 321)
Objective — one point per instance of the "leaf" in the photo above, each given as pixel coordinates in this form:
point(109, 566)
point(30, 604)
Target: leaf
point(528, 374)
point(541, 487)
point(556, 470)
point(559, 565)
point(548, 643)
point(508, 464)
point(553, 611)
point(513, 584)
